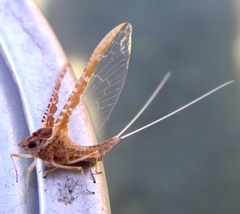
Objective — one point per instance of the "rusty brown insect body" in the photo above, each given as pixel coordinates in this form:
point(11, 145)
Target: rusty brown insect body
point(51, 143)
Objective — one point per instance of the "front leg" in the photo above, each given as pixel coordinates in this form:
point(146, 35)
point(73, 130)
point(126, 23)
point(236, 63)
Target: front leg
point(30, 168)
point(21, 156)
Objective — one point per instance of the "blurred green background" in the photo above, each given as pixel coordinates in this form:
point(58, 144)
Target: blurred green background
point(189, 163)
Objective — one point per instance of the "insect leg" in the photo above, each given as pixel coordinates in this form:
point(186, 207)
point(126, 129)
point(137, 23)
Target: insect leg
point(91, 164)
point(74, 168)
point(48, 171)
point(94, 156)
point(19, 156)
point(30, 169)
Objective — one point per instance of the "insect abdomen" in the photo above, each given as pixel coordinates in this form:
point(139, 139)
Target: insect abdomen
point(102, 148)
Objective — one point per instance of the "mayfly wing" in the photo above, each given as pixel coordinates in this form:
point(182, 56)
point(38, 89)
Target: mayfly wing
point(94, 62)
point(107, 81)
point(48, 117)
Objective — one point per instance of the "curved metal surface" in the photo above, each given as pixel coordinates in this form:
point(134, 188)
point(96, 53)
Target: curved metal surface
point(34, 58)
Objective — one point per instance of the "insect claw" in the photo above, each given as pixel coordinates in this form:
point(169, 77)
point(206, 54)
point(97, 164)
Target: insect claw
point(45, 174)
point(48, 171)
point(90, 192)
point(96, 172)
point(16, 177)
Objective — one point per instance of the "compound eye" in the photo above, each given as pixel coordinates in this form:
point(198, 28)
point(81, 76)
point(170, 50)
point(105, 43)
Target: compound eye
point(32, 144)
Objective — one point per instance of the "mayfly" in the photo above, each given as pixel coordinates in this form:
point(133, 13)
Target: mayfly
point(105, 72)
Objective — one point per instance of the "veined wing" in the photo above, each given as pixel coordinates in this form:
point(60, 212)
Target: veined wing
point(107, 81)
point(48, 117)
point(113, 49)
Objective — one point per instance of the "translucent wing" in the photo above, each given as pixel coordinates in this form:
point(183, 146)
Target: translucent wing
point(108, 79)
point(110, 60)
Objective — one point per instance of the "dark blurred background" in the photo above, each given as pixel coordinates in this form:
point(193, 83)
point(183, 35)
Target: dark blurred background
point(189, 163)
